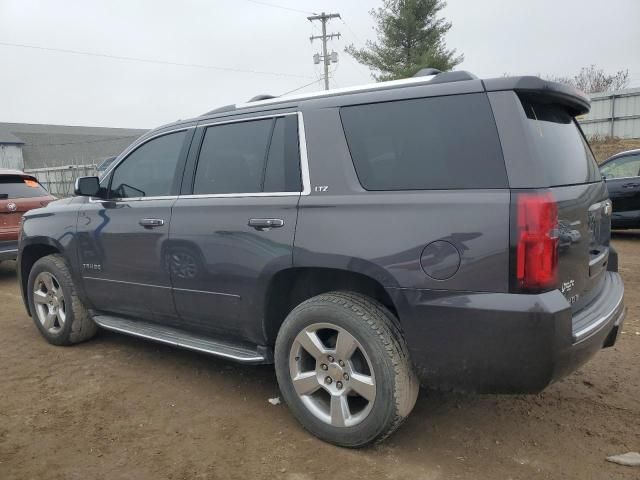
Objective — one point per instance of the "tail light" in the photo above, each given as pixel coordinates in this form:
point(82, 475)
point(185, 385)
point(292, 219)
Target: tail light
point(536, 241)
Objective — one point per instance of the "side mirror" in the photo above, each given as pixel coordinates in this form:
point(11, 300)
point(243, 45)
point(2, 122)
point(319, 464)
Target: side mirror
point(87, 186)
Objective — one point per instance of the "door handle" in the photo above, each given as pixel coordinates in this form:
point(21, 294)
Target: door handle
point(265, 223)
point(151, 222)
point(631, 185)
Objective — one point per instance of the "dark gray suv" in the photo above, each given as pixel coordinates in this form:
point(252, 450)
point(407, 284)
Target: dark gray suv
point(442, 230)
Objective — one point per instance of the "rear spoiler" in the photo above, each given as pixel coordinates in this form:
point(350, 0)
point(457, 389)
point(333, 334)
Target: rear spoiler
point(576, 102)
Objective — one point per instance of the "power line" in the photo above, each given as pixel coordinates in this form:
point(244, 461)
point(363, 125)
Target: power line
point(303, 86)
point(355, 36)
point(280, 6)
point(147, 60)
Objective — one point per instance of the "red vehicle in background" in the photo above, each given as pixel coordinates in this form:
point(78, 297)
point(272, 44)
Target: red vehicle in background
point(19, 193)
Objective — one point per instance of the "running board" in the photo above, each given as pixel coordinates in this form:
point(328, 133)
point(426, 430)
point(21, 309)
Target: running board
point(182, 339)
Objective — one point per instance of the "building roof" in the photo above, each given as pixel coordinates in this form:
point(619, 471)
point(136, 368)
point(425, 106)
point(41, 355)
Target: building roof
point(59, 145)
point(6, 137)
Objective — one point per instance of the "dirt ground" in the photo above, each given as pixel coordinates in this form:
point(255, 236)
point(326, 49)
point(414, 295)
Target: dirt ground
point(603, 148)
point(121, 408)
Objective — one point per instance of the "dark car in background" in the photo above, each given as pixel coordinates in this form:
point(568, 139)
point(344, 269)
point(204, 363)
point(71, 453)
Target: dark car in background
point(622, 175)
point(19, 193)
point(443, 230)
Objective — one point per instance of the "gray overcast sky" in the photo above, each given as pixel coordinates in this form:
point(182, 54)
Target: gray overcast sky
point(520, 37)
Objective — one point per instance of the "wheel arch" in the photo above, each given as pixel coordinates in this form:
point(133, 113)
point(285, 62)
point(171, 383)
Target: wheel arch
point(290, 287)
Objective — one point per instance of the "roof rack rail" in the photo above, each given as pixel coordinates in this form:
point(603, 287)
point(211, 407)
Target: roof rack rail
point(257, 98)
point(225, 108)
point(445, 77)
point(425, 72)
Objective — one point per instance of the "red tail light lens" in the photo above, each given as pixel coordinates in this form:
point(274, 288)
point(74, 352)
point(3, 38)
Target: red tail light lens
point(537, 241)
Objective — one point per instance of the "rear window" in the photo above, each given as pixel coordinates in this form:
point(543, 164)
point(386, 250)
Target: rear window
point(557, 144)
point(12, 186)
point(428, 143)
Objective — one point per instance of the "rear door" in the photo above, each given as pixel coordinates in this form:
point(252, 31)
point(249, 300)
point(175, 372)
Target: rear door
point(545, 151)
point(233, 227)
point(623, 182)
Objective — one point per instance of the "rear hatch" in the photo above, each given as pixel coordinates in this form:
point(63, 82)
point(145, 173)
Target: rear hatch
point(561, 215)
point(18, 194)
point(559, 148)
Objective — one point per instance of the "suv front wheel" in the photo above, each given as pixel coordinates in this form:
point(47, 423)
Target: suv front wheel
point(54, 305)
point(344, 369)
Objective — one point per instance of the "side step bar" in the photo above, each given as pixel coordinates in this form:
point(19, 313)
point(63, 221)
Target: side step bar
point(179, 338)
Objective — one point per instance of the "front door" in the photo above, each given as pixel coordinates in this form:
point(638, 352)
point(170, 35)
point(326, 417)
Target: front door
point(234, 228)
point(121, 238)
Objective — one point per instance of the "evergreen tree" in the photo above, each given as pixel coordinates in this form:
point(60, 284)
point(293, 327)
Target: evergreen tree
point(410, 37)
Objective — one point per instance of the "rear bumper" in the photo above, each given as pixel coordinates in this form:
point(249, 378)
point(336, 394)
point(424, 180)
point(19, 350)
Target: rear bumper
point(504, 343)
point(8, 250)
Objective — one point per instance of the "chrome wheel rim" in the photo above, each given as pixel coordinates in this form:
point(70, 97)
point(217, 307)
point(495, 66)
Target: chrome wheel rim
point(48, 299)
point(332, 375)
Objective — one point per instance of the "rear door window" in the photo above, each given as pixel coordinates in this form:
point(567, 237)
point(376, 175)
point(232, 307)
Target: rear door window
point(446, 142)
point(14, 186)
point(249, 157)
point(557, 143)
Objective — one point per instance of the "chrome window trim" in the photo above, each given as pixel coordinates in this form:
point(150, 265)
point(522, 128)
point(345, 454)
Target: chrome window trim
point(226, 120)
point(302, 148)
point(304, 161)
point(131, 199)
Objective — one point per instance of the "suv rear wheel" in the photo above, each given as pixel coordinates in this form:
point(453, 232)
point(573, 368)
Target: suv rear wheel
point(344, 369)
point(55, 307)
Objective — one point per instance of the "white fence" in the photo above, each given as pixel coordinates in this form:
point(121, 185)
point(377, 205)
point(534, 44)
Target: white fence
point(59, 181)
point(613, 114)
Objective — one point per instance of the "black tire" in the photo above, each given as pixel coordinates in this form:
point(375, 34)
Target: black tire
point(378, 333)
point(78, 325)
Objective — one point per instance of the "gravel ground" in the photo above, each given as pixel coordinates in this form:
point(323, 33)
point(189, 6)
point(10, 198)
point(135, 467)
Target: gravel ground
point(121, 408)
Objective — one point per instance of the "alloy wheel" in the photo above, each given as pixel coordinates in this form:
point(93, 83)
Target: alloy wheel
point(48, 299)
point(332, 375)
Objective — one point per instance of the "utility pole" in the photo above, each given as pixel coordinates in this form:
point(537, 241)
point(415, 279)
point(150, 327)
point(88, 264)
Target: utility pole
point(326, 59)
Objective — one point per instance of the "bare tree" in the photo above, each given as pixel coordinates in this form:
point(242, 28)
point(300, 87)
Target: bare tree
point(594, 80)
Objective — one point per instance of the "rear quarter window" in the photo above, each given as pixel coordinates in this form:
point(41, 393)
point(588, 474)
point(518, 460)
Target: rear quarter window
point(424, 144)
point(13, 186)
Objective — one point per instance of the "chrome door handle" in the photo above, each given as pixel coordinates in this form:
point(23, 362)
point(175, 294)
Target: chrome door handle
point(151, 222)
point(265, 223)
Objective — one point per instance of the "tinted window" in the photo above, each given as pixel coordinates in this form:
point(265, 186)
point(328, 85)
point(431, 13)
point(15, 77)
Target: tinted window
point(19, 187)
point(249, 157)
point(150, 170)
point(622, 167)
point(557, 144)
point(430, 143)
point(282, 173)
